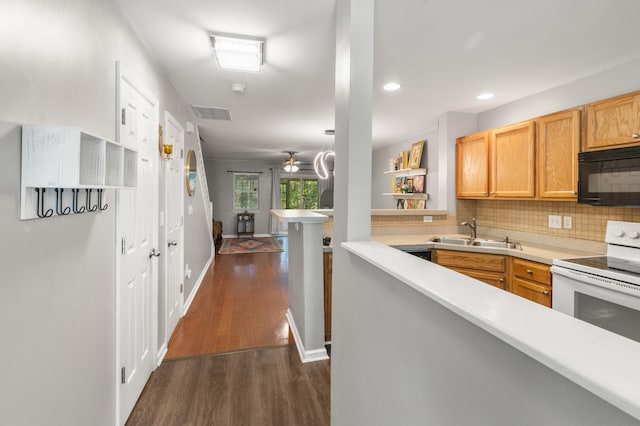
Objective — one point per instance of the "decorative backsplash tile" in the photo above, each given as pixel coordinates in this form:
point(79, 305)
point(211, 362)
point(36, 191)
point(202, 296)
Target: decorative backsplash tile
point(588, 222)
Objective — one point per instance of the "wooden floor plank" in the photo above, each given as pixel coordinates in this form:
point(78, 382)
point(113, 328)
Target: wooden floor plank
point(267, 386)
point(241, 304)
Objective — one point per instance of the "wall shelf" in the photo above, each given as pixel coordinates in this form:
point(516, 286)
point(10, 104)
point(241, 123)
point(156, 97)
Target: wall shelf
point(407, 172)
point(409, 195)
point(57, 162)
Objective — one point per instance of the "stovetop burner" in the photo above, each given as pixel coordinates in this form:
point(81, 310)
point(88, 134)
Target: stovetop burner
point(608, 263)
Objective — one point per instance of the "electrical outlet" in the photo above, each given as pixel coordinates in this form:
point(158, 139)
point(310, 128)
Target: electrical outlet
point(427, 218)
point(567, 222)
point(555, 221)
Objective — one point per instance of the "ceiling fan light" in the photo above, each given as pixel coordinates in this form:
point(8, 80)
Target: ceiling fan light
point(291, 168)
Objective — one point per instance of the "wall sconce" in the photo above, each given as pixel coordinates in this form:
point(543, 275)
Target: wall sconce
point(165, 149)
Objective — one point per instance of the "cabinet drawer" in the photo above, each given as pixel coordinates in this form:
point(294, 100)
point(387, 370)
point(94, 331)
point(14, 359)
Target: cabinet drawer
point(533, 271)
point(491, 278)
point(533, 291)
point(478, 261)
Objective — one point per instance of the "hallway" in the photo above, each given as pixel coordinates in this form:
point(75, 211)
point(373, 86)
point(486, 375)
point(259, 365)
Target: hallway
point(229, 360)
point(241, 304)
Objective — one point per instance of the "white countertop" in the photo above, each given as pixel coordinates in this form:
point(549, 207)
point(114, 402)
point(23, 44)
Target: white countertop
point(534, 252)
point(602, 362)
point(299, 215)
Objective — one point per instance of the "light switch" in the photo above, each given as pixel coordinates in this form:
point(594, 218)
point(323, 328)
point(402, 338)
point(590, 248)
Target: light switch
point(567, 222)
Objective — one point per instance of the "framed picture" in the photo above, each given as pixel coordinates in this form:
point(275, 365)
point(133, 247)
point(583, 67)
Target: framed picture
point(421, 204)
point(418, 183)
point(397, 187)
point(409, 183)
point(400, 204)
point(415, 156)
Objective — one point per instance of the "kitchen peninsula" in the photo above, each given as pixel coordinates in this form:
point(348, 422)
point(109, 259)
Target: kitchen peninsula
point(306, 293)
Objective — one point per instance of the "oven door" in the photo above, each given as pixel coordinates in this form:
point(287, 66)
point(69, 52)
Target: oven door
point(609, 177)
point(606, 303)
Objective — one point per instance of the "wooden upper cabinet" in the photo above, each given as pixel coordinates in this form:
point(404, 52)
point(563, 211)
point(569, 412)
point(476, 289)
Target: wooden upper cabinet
point(512, 154)
point(614, 121)
point(558, 145)
point(472, 166)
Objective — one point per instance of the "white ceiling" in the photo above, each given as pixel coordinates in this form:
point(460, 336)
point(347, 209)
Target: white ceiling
point(443, 53)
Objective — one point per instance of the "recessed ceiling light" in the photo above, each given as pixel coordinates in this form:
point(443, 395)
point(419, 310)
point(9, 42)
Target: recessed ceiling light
point(485, 96)
point(391, 86)
point(238, 88)
point(238, 53)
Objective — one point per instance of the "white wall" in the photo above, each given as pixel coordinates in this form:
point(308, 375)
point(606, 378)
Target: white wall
point(57, 306)
point(607, 83)
point(399, 357)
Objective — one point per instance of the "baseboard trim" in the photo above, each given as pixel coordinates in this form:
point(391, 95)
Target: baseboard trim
point(305, 355)
point(192, 296)
point(161, 354)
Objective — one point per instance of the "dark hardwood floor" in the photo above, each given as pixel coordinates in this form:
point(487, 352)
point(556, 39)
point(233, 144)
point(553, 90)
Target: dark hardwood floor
point(242, 303)
point(208, 379)
point(267, 386)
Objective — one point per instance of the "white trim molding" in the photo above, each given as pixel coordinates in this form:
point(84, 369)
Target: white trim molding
point(305, 355)
point(187, 303)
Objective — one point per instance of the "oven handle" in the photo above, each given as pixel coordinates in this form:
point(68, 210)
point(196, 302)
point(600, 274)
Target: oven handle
point(596, 280)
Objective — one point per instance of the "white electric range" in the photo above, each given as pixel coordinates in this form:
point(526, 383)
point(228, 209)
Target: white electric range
point(603, 290)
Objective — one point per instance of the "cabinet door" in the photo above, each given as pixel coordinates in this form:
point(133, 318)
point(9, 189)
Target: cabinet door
point(558, 145)
point(472, 166)
point(529, 290)
point(513, 161)
point(496, 280)
point(613, 121)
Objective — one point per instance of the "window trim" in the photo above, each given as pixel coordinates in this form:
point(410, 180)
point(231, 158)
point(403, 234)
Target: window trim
point(233, 192)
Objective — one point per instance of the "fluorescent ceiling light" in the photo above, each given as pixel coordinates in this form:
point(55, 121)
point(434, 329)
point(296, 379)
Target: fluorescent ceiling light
point(391, 86)
point(238, 53)
point(485, 96)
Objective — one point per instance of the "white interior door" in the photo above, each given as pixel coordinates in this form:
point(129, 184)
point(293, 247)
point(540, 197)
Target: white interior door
point(174, 224)
point(136, 216)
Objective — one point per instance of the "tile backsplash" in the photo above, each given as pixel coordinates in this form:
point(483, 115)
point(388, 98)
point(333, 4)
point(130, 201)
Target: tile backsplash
point(588, 222)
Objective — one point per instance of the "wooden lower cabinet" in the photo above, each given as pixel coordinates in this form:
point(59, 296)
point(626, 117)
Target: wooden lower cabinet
point(328, 278)
point(488, 268)
point(528, 279)
point(531, 280)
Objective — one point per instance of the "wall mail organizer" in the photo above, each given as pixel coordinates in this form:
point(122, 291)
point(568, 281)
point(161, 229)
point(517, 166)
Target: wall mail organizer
point(66, 171)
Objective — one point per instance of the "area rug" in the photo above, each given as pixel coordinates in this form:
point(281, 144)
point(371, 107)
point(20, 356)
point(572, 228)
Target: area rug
point(250, 245)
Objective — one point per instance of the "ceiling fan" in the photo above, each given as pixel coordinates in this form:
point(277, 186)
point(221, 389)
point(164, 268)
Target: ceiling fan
point(291, 164)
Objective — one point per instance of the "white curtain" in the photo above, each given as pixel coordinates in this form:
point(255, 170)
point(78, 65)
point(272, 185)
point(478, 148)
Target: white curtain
point(274, 224)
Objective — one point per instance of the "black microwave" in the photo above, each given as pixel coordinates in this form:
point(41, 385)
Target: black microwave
point(609, 177)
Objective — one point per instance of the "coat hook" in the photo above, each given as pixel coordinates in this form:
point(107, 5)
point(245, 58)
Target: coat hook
point(59, 209)
point(40, 204)
point(100, 206)
point(76, 209)
point(90, 208)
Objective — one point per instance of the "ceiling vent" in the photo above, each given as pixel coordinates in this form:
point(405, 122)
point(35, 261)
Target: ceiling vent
point(210, 113)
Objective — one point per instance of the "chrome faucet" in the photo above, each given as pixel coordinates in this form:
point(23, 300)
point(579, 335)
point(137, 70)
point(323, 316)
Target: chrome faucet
point(472, 226)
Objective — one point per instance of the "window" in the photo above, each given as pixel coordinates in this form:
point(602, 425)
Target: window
point(298, 193)
point(245, 191)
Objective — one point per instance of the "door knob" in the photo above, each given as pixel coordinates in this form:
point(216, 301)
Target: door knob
point(154, 253)
point(172, 243)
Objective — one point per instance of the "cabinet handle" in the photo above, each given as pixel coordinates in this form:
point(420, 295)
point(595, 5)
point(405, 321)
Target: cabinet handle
point(491, 193)
point(635, 136)
point(545, 292)
point(529, 271)
point(484, 193)
point(501, 280)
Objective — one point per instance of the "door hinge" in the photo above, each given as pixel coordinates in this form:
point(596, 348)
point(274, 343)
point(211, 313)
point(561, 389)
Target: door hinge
point(181, 288)
point(124, 116)
point(123, 375)
point(124, 245)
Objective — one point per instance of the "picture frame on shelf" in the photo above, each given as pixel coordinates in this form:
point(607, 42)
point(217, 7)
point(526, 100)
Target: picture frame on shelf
point(421, 204)
point(415, 156)
point(409, 182)
point(400, 205)
point(397, 186)
point(419, 184)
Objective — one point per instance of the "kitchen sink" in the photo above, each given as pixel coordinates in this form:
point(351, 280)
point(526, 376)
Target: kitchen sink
point(476, 242)
point(494, 244)
point(448, 240)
